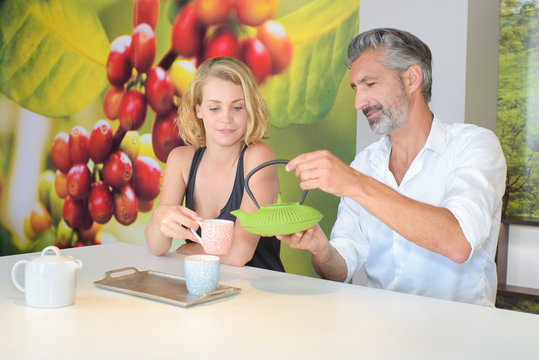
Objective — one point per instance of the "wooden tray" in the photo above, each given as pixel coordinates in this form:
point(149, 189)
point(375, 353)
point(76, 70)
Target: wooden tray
point(159, 286)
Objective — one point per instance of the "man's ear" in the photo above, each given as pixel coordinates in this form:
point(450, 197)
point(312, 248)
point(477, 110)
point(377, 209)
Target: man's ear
point(413, 78)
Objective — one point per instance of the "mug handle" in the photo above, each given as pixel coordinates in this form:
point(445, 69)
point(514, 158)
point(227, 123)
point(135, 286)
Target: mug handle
point(199, 239)
point(15, 274)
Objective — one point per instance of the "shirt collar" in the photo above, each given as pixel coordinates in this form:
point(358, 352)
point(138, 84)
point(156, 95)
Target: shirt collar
point(435, 141)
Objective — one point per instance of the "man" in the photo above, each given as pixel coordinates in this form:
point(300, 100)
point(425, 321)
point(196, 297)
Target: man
point(421, 207)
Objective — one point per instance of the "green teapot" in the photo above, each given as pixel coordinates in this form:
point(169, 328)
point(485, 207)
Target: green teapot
point(280, 218)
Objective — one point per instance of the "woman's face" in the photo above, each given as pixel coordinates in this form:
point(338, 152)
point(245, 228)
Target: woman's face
point(223, 112)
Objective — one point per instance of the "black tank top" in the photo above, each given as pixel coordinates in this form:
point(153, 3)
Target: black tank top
point(266, 255)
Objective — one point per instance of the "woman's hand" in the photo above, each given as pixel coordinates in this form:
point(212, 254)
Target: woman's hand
point(167, 222)
point(176, 221)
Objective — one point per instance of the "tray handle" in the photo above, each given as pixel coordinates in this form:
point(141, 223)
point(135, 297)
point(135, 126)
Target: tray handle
point(109, 274)
point(216, 294)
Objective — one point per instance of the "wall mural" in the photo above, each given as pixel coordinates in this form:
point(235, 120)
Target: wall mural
point(89, 90)
point(518, 107)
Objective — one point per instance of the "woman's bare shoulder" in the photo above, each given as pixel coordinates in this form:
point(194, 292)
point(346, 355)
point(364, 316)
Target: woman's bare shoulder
point(258, 153)
point(181, 154)
point(179, 159)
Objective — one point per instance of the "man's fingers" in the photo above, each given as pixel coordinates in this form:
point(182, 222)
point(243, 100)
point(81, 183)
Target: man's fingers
point(301, 159)
point(289, 238)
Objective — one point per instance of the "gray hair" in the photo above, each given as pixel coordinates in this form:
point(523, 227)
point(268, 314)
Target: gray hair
point(400, 50)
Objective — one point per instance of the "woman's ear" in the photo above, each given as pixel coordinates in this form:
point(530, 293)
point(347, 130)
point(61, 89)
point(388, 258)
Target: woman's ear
point(198, 112)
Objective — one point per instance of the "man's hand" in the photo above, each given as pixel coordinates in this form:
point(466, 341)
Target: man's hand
point(313, 240)
point(323, 170)
point(327, 262)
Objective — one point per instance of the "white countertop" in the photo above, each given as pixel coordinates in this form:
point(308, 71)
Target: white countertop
point(276, 316)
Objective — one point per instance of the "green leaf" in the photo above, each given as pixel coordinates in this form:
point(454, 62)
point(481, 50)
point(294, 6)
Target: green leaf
point(52, 55)
point(320, 33)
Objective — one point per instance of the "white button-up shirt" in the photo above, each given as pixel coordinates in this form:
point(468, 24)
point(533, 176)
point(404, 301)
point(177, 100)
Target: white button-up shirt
point(461, 168)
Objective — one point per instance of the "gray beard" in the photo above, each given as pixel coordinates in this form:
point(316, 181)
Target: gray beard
point(392, 117)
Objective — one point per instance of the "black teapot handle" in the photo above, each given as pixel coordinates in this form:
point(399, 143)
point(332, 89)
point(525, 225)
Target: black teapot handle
point(263, 165)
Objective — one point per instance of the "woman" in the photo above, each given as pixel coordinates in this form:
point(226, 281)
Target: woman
point(223, 119)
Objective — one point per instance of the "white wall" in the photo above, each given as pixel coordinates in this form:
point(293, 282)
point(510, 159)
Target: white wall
point(523, 256)
point(463, 37)
point(442, 25)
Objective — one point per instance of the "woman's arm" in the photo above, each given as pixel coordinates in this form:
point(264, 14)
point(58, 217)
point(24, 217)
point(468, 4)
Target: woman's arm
point(168, 217)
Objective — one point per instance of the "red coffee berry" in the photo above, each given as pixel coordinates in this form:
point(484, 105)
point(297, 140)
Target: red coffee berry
point(100, 141)
point(256, 57)
point(132, 110)
point(100, 203)
point(159, 90)
point(125, 205)
point(143, 47)
point(78, 181)
point(145, 206)
point(223, 42)
point(187, 32)
point(86, 221)
point(165, 135)
point(72, 211)
point(147, 178)
point(274, 36)
point(117, 170)
point(78, 145)
point(111, 102)
point(60, 155)
point(119, 66)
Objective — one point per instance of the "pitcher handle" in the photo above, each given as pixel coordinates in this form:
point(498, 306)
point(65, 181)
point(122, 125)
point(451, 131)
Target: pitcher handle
point(263, 165)
point(15, 275)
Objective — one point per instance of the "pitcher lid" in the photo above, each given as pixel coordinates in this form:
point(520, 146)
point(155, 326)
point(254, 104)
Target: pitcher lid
point(54, 258)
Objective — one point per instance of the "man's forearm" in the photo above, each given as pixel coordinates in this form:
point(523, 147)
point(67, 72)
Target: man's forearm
point(329, 264)
point(431, 227)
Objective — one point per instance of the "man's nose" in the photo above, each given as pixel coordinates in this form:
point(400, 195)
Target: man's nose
point(361, 101)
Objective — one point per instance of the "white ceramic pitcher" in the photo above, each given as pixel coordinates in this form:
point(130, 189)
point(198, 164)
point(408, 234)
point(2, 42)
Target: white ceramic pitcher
point(49, 280)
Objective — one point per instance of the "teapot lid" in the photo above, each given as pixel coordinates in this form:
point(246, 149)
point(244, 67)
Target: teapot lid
point(55, 258)
point(280, 218)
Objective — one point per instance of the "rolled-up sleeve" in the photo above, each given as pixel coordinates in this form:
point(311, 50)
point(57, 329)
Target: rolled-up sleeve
point(476, 186)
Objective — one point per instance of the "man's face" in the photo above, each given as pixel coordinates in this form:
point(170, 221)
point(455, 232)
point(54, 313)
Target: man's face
point(380, 93)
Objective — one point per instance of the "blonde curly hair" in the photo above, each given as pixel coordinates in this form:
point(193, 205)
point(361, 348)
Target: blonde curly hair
point(191, 128)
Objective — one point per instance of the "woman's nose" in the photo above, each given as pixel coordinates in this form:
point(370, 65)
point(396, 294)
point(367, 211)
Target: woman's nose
point(228, 114)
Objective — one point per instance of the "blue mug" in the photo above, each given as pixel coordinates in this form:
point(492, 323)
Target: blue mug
point(201, 273)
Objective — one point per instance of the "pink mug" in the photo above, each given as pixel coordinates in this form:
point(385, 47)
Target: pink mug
point(216, 236)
